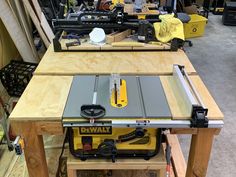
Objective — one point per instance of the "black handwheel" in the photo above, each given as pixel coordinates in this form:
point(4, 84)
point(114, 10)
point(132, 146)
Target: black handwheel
point(108, 149)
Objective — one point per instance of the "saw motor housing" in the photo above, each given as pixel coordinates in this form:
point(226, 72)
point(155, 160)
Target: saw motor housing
point(108, 142)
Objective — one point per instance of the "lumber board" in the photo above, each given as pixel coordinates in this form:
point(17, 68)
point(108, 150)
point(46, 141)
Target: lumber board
point(37, 8)
point(47, 29)
point(24, 23)
point(125, 62)
point(47, 96)
point(156, 163)
point(36, 22)
point(117, 37)
point(43, 21)
point(18, 36)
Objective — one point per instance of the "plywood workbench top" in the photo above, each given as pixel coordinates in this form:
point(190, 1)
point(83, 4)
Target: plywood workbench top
point(45, 97)
point(125, 62)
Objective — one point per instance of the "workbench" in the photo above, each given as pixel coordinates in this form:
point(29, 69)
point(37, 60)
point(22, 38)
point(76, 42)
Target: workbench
point(40, 108)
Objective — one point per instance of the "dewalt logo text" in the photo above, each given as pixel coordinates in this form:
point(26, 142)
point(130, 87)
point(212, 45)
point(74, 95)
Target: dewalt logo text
point(96, 130)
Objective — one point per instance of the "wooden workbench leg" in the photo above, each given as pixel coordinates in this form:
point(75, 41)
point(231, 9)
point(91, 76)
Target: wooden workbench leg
point(71, 173)
point(199, 153)
point(161, 172)
point(34, 152)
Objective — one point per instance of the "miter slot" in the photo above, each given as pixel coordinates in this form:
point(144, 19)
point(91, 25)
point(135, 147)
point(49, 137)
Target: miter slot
point(183, 90)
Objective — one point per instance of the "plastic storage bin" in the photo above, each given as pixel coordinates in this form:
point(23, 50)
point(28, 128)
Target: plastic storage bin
point(195, 27)
point(16, 75)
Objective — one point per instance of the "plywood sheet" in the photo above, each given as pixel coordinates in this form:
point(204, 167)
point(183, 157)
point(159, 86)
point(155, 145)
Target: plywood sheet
point(177, 105)
point(125, 62)
point(43, 99)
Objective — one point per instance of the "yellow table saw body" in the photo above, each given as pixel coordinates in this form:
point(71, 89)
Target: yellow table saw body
point(147, 142)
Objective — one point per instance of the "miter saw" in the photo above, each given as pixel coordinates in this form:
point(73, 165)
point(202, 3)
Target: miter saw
point(115, 116)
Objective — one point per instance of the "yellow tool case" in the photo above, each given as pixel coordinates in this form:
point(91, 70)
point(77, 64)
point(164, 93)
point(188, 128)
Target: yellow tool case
point(108, 142)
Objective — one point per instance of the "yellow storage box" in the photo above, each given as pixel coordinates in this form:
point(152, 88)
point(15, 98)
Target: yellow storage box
point(195, 27)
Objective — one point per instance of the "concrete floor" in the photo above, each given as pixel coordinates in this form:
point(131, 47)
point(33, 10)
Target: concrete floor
point(214, 58)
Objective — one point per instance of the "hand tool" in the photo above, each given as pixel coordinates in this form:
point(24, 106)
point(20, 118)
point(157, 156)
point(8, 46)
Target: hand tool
point(73, 43)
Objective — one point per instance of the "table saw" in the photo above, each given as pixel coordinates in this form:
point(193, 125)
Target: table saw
point(114, 116)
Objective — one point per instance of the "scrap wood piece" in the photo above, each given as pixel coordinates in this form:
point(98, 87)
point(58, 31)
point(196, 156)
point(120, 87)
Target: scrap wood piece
point(17, 34)
point(43, 21)
point(36, 22)
point(36, 8)
point(117, 37)
point(47, 29)
point(25, 25)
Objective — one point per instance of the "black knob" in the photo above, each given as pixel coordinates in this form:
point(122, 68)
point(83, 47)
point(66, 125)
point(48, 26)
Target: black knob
point(140, 132)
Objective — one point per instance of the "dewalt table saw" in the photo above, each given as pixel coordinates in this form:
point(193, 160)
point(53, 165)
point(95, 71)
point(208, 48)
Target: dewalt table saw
point(41, 108)
point(122, 116)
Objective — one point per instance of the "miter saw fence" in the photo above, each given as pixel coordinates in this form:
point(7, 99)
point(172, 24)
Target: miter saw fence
point(123, 116)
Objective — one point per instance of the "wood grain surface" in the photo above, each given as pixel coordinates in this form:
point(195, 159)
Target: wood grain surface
point(125, 62)
point(199, 153)
point(176, 104)
point(155, 163)
point(43, 99)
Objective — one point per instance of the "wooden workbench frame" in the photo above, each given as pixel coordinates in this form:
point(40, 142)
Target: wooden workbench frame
point(34, 117)
point(32, 133)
